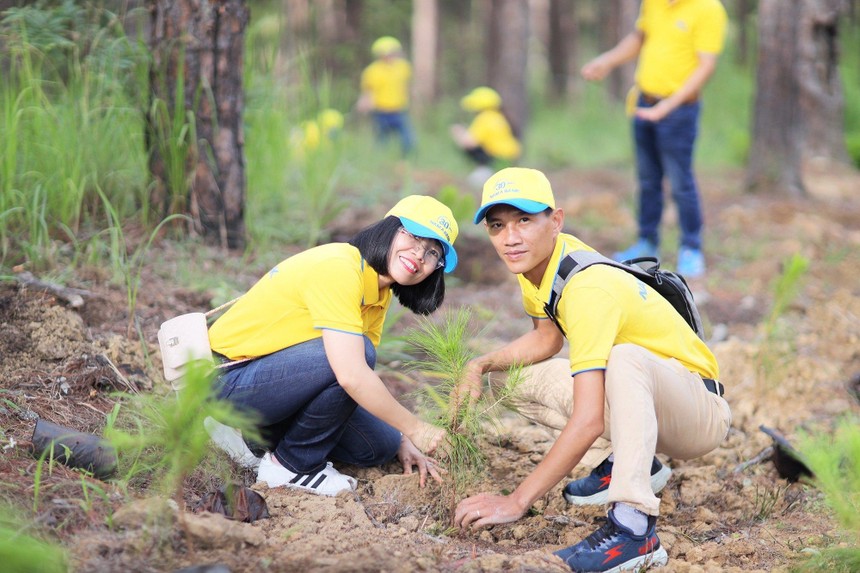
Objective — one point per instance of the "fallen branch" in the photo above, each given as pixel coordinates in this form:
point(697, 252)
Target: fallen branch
point(105, 361)
point(73, 296)
point(764, 455)
point(367, 511)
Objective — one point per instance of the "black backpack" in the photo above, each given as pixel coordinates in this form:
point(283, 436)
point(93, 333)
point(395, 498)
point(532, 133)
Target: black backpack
point(669, 285)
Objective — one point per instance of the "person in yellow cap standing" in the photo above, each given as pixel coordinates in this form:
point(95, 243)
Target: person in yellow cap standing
point(385, 92)
point(677, 43)
point(489, 140)
point(638, 381)
point(310, 328)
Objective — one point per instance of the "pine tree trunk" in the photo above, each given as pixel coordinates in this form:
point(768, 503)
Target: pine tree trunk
point(822, 103)
point(799, 100)
point(774, 162)
point(425, 32)
point(198, 47)
point(507, 60)
point(744, 9)
point(561, 50)
point(618, 18)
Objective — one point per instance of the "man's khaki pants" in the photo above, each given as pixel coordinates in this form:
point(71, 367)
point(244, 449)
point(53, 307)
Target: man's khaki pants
point(653, 405)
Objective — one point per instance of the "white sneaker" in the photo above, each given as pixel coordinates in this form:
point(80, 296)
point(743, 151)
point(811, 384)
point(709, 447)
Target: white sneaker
point(327, 481)
point(230, 440)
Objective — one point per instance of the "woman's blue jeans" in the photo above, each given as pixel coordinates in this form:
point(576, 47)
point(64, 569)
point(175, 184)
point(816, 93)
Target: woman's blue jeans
point(304, 411)
point(665, 149)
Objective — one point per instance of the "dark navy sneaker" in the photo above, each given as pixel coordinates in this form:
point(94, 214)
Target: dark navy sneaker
point(614, 548)
point(591, 490)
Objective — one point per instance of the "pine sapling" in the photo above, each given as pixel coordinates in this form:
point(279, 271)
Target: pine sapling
point(445, 346)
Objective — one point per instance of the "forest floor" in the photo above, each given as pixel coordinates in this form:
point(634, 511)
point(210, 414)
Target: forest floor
point(718, 513)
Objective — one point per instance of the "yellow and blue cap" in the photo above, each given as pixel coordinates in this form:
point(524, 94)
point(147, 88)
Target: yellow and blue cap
point(480, 99)
point(385, 46)
point(526, 189)
point(427, 217)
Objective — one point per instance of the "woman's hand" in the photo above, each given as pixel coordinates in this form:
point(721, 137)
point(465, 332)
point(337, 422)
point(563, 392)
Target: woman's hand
point(427, 437)
point(410, 456)
point(487, 509)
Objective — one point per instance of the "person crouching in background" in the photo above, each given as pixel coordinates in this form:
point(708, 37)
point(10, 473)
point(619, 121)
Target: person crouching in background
point(489, 140)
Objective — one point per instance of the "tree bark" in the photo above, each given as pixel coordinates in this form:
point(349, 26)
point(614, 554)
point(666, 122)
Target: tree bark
point(822, 103)
point(198, 46)
point(507, 60)
point(297, 24)
point(618, 18)
point(425, 33)
point(775, 156)
point(799, 105)
point(744, 9)
point(561, 49)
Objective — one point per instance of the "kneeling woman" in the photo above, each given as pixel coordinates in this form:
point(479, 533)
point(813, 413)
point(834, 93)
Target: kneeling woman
point(311, 326)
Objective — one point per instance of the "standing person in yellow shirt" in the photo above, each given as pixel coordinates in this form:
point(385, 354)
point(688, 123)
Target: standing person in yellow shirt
point(309, 329)
point(678, 43)
point(385, 92)
point(489, 140)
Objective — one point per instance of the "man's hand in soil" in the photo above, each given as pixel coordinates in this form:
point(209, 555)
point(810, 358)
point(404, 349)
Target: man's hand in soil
point(410, 457)
point(487, 509)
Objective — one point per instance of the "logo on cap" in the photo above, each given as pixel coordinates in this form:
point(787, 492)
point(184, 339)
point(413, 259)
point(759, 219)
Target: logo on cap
point(443, 226)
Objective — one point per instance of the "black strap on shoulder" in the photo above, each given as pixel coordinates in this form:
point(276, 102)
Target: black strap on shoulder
point(570, 264)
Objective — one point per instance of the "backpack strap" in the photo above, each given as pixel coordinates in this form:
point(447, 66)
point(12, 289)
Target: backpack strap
point(670, 286)
point(570, 264)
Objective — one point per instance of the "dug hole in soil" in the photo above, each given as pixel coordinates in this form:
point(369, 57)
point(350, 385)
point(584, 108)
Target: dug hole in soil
point(718, 513)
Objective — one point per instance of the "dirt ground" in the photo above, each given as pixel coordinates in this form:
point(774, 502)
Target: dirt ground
point(718, 513)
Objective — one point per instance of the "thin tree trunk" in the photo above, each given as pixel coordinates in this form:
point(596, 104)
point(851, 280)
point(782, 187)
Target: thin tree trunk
point(775, 155)
point(562, 46)
point(744, 9)
point(297, 19)
point(619, 18)
point(425, 33)
point(198, 46)
point(507, 61)
point(822, 103)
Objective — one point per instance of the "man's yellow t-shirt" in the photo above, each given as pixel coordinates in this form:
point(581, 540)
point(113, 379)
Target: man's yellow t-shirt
point(676, 31)
point(327, 287)
point(493, 133)
point(387, 81)
point(602, 307)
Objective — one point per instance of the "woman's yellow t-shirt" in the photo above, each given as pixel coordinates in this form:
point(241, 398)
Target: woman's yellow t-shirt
point(326, 287)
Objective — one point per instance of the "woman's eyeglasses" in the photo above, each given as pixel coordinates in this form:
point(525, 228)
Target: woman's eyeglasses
point(431, 254)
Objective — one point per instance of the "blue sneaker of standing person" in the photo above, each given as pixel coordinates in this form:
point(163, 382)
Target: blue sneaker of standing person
point(691, 263)
point(592, 489)
point(639, 249)
point(614, 548)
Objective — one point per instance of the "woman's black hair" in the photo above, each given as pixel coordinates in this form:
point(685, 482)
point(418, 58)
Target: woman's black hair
point(374, 244)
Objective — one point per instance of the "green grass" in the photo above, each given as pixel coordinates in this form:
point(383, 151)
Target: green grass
point(834, 458)
point(72, 123)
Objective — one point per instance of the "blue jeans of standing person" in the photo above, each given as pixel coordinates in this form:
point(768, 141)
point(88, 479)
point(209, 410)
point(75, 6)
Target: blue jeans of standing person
point(305, 412)
point(397, 122)
point(665, 149)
